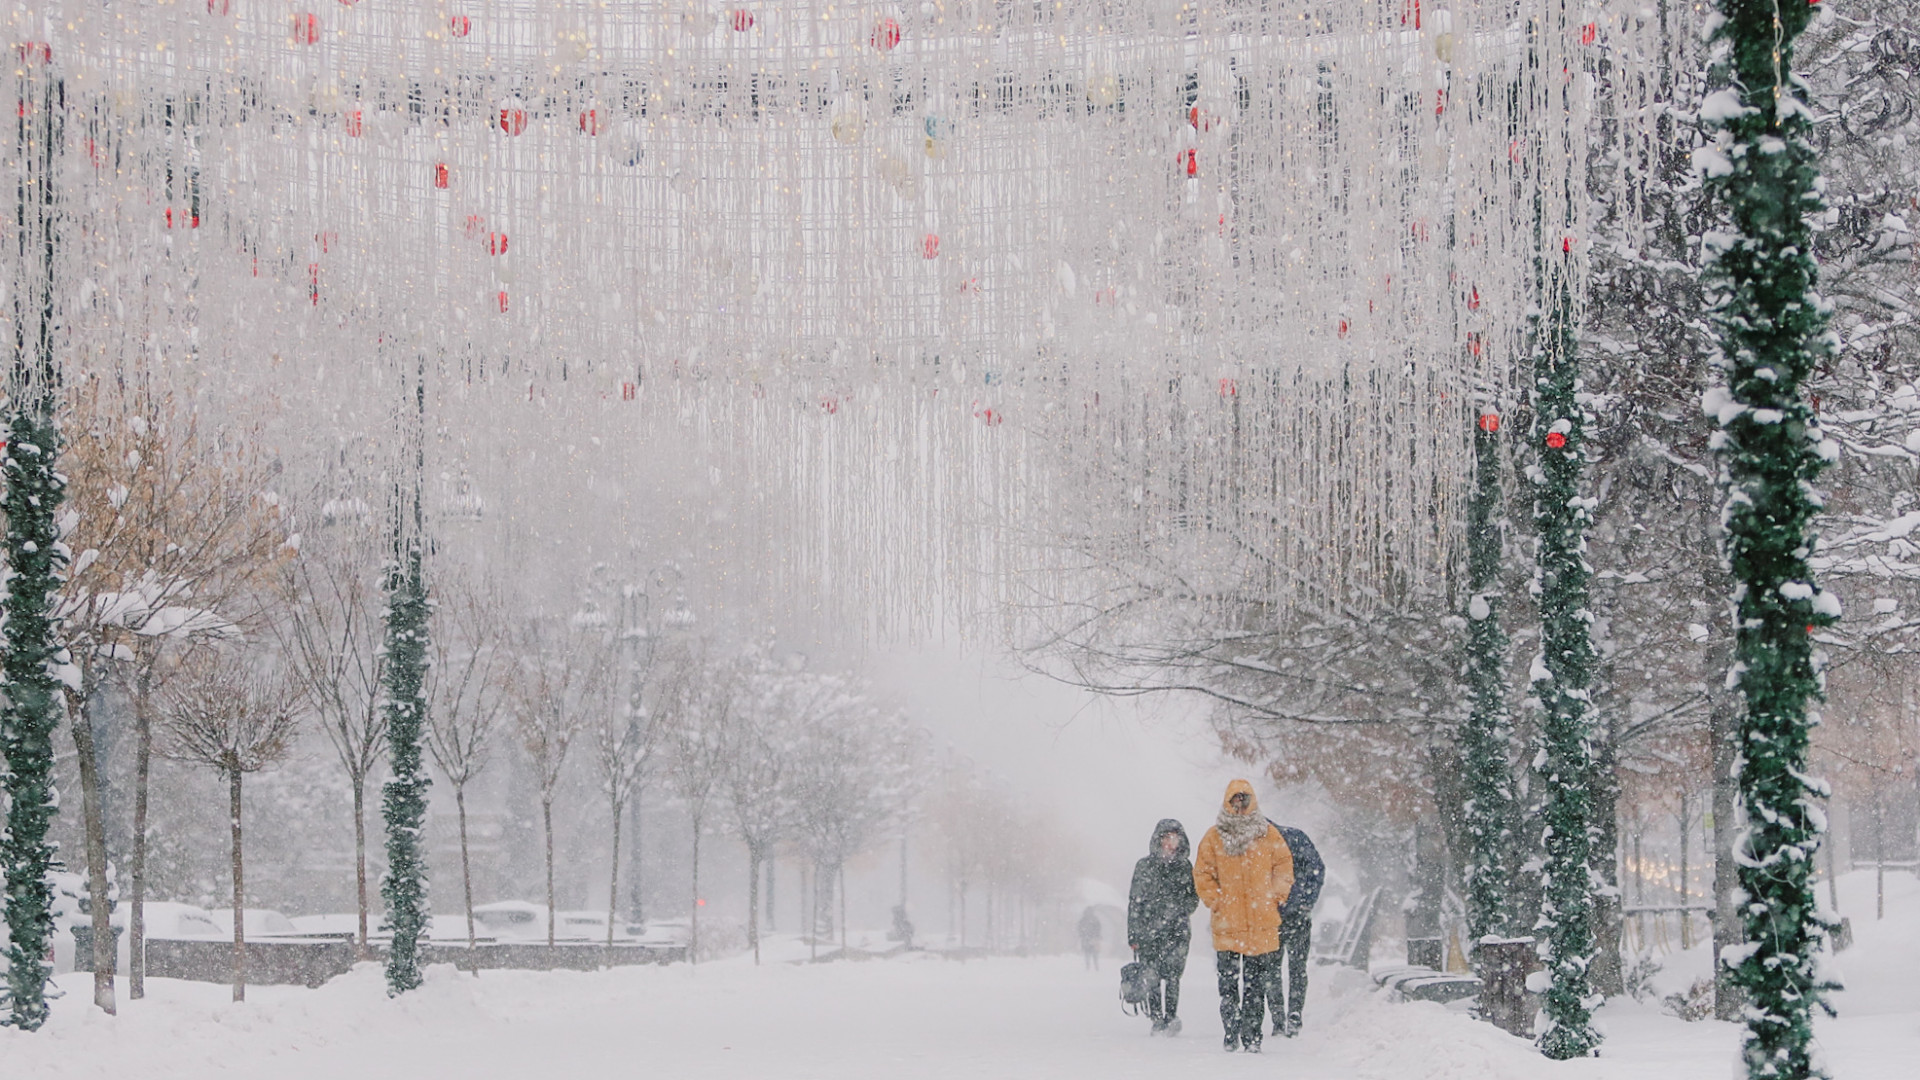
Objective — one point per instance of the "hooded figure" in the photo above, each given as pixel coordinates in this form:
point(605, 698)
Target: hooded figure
point(1243, 873)
point(1160, 906)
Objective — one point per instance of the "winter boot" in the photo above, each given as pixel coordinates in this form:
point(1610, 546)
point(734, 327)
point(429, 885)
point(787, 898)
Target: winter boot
point(1159, 1026)
point(1171, 1027)
point(1230, 1044)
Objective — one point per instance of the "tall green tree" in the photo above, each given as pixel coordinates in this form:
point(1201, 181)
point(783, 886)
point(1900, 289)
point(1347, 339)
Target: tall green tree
point(1488, 806)
point(1563, 673)
point(403, 800)
point(31, 652)
point(1771, 330)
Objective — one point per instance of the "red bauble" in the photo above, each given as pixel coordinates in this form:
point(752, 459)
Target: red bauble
point(441, 176)
point(503, 301)
point(459, 25)
point(1556, 440)
point(1229, 388)
point(829, 404)
point(886, 34)
point(218, 7)
point(497, 243)
point(1489, 422)
point(306, 28)
point(1188, 160)
point(513, 121)
point(930, 247)
point(1343, 328)
point(742, 20)
point(355, 125)
point(1591, 33)
point(1473, 299)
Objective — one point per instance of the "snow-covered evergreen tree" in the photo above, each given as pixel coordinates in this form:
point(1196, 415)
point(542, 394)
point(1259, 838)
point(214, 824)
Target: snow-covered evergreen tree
point(31, 653)
point(404, 798)
point(1563, 672)
point(1488, 805)
point(1772, 332)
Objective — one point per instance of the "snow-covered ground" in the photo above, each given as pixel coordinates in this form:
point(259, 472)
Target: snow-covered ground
point(917, 1017)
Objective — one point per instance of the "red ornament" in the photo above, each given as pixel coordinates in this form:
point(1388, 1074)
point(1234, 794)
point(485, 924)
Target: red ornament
point(503, 301)
point(474, 223)
point(1229, 388)
point(987, 415)
point(354, 124)
point(1410, 12)
point(1566, 245)
point(459, 25)
point(590, 123)
point(1439, 102)
point(629, 391)
point(742, 20)
point(1343, 328)
point(497, 243)
point(513, 121)
point(348, 3)
point(886, 34)
point(1189, 160)
point(1201, 119)
point(930, 247)
point(1489, 422)
point(1591, 32)
point(326, 240)
point(441, 176)
point(306, 28)
point(35, 52)
point(1556, 439)
point(218, 7)
point(829, 404)
point(1473, 299)
point(1473, 344)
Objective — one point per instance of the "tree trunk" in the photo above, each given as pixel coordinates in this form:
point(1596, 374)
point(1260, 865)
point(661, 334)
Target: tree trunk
point(99, 903)
point(137, 871)
point(613, 875)
point(1609, 976)
point(1686, 893)
point(693, 922)
point(772, 908)
point(360, 854)
point(466, 877)
point(840, 874)
point(239, 890)
point(753, 899)
point(1723, 732)
point(639, 899)
point(546, 817)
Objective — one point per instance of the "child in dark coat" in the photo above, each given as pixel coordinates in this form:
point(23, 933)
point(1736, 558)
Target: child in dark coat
point(1160, 908)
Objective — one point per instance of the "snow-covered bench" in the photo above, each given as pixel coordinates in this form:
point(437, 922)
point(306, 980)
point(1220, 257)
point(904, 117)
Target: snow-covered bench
point(1416, 982)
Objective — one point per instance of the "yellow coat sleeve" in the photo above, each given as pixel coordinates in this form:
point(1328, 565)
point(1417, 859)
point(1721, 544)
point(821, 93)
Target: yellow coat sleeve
point(1206, 870)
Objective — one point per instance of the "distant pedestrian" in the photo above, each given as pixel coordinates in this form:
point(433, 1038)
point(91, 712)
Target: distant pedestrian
point(1160, 907)
point(1288, 993)
point(1243, 873)
point(1090, 938)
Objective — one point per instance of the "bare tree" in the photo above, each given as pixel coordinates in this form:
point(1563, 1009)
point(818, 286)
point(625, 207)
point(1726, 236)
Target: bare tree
point(230, 713)
point(757, 773)
point(700, 700)
point(851, 769)
point(559, 680)
point(176, 532)
point(626, 737)
point(331, 633)
point(464, 685)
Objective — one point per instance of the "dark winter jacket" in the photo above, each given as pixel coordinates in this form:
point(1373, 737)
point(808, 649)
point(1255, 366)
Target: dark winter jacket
point(1309, 873)
point(1161, 901)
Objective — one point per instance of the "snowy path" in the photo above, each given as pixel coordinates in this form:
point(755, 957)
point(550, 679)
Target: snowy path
point(913, 1019)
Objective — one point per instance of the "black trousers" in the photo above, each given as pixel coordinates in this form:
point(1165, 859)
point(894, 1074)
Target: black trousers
point(1286, 994)
point(1168, 962)
point(1245, 982)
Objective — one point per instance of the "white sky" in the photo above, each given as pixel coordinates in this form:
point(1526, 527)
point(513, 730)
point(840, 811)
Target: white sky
point(1110, 768)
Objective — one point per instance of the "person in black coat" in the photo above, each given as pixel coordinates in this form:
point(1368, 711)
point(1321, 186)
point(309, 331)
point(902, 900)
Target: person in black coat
point(1286, 995)
point(1160, 907)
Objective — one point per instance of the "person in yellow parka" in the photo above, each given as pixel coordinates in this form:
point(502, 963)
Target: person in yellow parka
point(1243, 873)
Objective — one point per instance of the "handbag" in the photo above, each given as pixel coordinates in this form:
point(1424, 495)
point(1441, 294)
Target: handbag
point(1136, 985)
